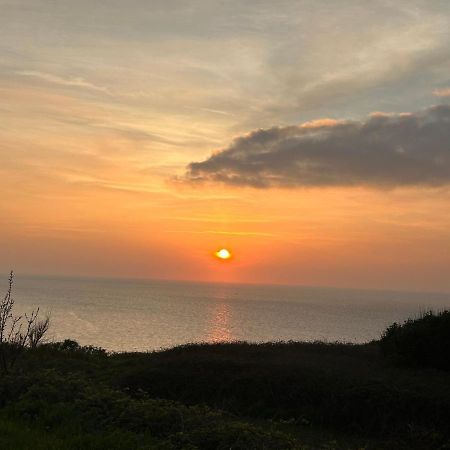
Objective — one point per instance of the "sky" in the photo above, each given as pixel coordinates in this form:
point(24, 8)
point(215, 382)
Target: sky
point(309, 137)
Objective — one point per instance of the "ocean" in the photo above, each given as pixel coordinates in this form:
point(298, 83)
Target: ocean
point(144, 315)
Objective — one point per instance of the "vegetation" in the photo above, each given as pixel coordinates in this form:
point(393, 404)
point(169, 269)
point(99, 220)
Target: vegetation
point(421, 342)
point(286, 395)
point(240, 396)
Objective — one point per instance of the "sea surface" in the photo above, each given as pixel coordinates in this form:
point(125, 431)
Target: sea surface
point(137, 315)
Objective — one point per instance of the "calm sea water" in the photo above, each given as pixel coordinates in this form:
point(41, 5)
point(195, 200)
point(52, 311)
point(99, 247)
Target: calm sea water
point(130, 315)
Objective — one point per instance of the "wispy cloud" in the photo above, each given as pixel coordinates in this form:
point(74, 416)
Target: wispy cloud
point(73, 82)
point(225, 233)
point(216, 111)
point(445, 92)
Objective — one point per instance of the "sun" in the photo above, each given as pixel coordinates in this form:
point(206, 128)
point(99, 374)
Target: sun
point(223, 253)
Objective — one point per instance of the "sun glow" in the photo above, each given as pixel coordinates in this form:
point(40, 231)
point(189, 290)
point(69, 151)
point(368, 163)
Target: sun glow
point(223, 253)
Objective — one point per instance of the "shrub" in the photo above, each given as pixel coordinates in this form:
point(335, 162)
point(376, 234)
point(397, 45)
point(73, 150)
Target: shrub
point(420, 342)
point(72, 347)
point(71, 406)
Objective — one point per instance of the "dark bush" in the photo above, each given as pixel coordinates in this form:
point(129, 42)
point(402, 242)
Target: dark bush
point(420, 342)
point(74, 348)
point(345, 388)
point(72, 405)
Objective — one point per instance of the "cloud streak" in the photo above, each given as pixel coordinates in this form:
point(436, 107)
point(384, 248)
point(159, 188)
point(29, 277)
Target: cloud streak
point(442, 92)
point(72, 82)
point(385, 150)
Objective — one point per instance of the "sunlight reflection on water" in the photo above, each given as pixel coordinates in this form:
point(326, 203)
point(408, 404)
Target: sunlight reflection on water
point(220, 323)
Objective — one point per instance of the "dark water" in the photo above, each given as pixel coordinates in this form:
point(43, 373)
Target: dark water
point(124, 315)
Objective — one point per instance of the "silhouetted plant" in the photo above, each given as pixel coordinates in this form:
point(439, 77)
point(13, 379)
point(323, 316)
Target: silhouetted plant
point(421, 342)
point(18, 332)
point(74, 349)
point(68, 345)
point(38, 331)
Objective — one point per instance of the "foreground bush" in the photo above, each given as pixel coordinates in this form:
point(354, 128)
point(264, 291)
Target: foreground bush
point(80, 413)
point(421, 342)
point(345, 388)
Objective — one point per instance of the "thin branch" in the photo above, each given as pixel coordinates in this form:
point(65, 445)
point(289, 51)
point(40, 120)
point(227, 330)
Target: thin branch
point(18, 332)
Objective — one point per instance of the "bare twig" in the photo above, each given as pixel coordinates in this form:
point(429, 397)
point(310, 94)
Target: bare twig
point(18, 332)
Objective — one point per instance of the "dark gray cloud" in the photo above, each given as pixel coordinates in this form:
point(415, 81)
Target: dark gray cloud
point(383, 150)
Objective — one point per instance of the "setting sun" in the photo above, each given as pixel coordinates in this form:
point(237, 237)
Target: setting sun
point(223, 253)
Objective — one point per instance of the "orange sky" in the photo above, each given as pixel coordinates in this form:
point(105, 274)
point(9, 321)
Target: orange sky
point(93, 137)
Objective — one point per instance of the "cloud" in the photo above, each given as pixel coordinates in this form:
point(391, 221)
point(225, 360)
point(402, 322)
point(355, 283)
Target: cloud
point(50, 78)
point(390, 150)
point(442, 92)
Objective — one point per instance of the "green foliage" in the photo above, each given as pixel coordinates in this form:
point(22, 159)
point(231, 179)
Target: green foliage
point(100, 417)
point(421, 342)
point(343, 387)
